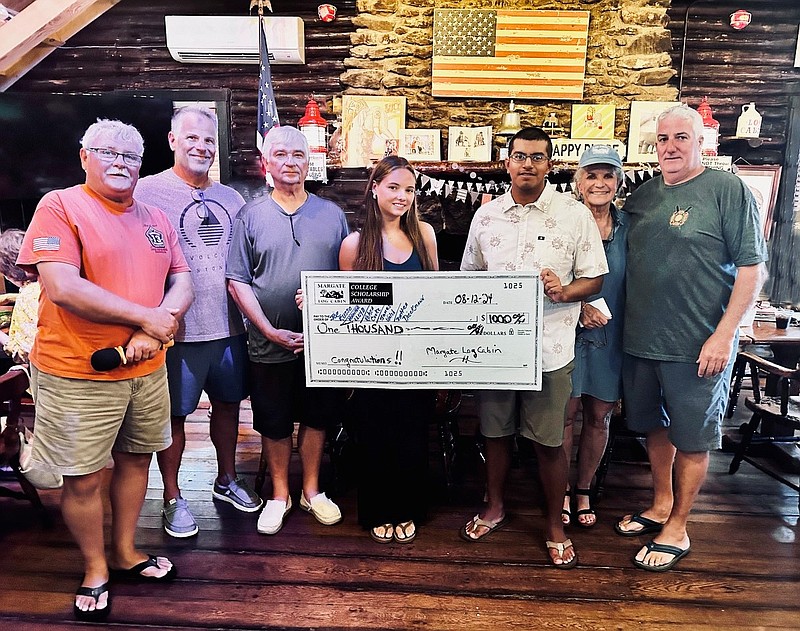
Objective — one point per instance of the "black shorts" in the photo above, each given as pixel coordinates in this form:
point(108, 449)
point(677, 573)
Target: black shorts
point(279, 398)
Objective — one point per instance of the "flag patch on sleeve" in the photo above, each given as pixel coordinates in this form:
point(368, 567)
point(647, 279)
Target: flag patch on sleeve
point(46, 243)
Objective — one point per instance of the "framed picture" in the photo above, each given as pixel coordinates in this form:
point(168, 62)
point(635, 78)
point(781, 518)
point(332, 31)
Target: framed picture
point(420, 145)
point(371, 128)
point(763, 183)
point(469, 144)
point(797, 52)
point(642, 130)
point(592, 121)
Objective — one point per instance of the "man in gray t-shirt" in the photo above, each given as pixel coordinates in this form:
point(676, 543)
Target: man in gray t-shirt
point(274, 239)
point(695, 266)
point(210, 351)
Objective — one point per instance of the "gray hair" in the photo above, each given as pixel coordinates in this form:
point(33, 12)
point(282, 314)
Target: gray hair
point(112, 130)
point(198, 110)
point(683, 112)
point(10, 244)
point(581, 171)
point(284, 134)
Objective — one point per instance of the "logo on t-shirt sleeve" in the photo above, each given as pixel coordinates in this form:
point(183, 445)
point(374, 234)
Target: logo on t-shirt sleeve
point(45, 244)
point(156, 238)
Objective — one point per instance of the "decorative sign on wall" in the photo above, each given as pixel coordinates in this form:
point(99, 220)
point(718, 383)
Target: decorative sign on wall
point(763, 181)
point(570, 149)
point(469, 144)
point(797, 52)
point(420, 145)
point(371, 127)
point(592, 121)
point(509, 54)
point(642, 133)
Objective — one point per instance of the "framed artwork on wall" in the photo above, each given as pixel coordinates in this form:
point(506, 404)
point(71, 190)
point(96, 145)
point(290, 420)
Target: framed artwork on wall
point(420, 145)
point(371, 128)
point(797, 51)
point(592, 121)
point(763, 181)
point(469, 144)
point(642, 130)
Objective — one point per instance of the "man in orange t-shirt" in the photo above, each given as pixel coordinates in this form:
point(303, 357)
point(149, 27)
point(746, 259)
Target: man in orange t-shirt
point(112, 274)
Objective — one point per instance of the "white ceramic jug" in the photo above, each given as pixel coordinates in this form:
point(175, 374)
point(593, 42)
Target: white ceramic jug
point(749, 125)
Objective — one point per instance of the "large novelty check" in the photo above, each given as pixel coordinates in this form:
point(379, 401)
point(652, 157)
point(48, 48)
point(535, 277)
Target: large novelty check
point(479, 330)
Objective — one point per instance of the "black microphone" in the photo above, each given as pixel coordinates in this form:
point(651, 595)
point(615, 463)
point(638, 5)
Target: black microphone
point(110, 358)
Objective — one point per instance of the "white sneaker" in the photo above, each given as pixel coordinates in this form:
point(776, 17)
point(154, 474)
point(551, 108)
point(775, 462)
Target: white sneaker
point(270, 521)
point(322, 508)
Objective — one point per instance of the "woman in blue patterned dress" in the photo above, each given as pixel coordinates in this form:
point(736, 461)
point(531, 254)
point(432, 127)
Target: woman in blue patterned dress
point(597, 377)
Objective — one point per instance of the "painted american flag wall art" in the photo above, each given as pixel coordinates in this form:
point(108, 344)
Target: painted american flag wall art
point(487, 53)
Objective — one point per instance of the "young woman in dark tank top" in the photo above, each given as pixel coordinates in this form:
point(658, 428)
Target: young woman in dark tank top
point(391, 425)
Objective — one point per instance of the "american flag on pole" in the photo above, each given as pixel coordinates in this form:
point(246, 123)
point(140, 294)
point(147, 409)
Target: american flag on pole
point(267, 109)
point(509, 54)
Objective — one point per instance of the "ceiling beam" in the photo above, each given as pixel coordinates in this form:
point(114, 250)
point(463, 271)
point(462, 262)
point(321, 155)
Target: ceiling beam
point(40, 28)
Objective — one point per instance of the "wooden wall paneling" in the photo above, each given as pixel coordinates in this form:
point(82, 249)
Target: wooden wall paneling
point(35, 32)
point(734, 68)
point(126, 50)
point(784, 267)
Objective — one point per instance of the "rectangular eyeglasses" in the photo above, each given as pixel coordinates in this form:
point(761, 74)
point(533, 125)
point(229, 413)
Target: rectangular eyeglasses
point(107, 155)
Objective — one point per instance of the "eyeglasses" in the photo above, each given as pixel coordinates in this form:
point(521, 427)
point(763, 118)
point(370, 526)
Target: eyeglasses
point(107, 155)
point(201, 208)
point(520, 157)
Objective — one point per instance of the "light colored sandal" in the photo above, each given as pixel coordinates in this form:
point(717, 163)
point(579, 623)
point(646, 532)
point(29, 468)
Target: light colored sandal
point(386, 536)
point(405, 531)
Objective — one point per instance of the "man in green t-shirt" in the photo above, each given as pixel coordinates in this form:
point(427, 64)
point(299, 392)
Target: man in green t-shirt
point(695, 266)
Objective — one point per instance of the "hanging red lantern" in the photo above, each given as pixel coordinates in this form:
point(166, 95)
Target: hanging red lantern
point(710, 129)
point(313, 127)
point(740, 19)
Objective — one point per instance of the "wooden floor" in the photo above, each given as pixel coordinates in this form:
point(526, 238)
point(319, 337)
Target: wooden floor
point(743, 572)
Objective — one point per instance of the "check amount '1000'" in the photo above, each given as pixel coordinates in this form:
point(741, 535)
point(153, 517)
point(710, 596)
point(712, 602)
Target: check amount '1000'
point(505, 318)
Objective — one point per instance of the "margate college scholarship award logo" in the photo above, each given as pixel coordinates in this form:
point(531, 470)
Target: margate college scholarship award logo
point(331, 293)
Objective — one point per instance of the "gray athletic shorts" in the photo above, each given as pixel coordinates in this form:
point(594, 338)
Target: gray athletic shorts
point(218, 366)
point(670, 394)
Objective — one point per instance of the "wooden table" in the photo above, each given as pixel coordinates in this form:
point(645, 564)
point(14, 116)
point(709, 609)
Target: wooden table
point(785, 347)
point(784, 343)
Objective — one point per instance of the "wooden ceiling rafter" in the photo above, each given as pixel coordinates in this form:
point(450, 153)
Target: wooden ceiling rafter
point(39, 29)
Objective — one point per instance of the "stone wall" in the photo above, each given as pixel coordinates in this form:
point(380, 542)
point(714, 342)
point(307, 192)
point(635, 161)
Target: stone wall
point(628, 59)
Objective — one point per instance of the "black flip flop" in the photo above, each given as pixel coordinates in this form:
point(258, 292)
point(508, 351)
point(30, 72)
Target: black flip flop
point(93, 615)
point(566, 513)
point(585, 511)
point(652, 546)
point(134, 574)
point(648, 526)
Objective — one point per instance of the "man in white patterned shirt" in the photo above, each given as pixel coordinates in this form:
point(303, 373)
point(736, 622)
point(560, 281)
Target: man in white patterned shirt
point(535, 228)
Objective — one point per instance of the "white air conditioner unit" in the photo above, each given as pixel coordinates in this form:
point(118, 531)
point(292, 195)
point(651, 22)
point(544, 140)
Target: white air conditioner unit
point(233, 39)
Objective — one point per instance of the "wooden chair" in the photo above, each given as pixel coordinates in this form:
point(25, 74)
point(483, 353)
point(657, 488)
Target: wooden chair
point(618, 431)
point(13, 399)
point(737, 377)
point(448, 404)
point(781, 410)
